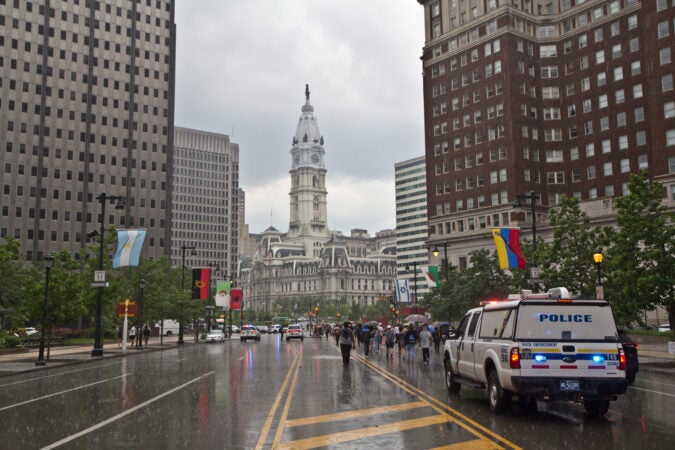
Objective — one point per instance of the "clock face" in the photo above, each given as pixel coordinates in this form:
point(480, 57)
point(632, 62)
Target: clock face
point(297, 159)
point(315, 158)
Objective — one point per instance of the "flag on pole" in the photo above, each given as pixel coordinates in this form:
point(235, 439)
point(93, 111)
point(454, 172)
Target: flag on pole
point(222, 293)
point(236, 298)
point(201, 279)
point(129, 246)
point(507, 241)
point(402, 290)
point(431, 274)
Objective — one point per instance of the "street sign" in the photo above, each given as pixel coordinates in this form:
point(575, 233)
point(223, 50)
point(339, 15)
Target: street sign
point(536, 272)
point(99, 276)
point(99, 284)
point(131, 309)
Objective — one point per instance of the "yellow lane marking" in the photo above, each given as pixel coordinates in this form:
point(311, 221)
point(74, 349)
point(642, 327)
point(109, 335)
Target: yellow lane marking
point(272, 412)
point(287, 406)
point(470, 425)
point(355, 413)
point(346, 436)
point(478, 444)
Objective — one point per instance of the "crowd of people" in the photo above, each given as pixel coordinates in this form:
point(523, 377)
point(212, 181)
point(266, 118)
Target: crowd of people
point(372, 338)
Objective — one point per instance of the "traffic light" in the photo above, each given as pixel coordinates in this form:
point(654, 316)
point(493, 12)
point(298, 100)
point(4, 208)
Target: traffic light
point(316, 310)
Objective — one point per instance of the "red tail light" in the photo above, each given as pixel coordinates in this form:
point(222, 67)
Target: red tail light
point(514, 358)
point(622, 360)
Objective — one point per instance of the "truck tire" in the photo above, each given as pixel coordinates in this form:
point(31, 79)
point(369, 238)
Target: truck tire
point(499, 398)
point(596, 408)
point(169, 333)
point(450, 380)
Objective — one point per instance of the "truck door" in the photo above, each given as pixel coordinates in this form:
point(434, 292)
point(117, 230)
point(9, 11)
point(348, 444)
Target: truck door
point(466, 351)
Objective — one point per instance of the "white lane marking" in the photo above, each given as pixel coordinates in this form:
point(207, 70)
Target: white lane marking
point(653, 392)
point(122, 414)
point(56, 375)
point(60, 393)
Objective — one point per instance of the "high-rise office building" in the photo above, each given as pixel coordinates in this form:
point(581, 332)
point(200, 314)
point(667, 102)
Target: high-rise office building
point(412, 256)
point(205, 202)
point(529, 100)
point(86, 112)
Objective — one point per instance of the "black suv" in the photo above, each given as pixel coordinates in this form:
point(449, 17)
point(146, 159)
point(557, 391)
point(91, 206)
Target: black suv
point(630, 349)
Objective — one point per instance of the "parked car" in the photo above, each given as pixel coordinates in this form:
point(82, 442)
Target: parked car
point(664, 327)
point(249, 332)
point(30, 331)
point(275, 328)
point(295, 332)
point(630, 349)
point(215, 336)
point(235, 329)
point(264, 329)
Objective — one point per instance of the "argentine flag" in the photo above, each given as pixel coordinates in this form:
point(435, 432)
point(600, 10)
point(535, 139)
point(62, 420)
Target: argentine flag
point(129, 246)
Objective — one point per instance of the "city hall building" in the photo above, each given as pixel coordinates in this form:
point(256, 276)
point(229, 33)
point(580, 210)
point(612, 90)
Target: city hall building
point(310, 260)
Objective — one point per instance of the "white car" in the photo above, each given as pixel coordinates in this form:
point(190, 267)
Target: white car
point(664, 327)
point(295, 332)
point(31, 331)
point(215, 336)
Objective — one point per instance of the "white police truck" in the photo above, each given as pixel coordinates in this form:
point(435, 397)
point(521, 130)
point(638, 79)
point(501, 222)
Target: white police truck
point(539, 347)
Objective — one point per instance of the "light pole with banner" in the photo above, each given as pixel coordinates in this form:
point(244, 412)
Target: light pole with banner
point(182, 286)
point(48, 260)
point(99, 276)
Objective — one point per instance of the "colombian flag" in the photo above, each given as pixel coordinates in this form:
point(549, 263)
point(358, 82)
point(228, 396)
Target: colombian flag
point(508, 248)
point(201, 281)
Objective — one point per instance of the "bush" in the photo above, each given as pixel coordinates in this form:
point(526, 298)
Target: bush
point(8, 340)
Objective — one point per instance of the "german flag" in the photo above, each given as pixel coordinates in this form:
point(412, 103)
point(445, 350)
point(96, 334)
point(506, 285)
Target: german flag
point(201, 279)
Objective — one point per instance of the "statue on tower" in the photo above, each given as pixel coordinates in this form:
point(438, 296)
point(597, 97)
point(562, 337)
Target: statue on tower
point(307, 92)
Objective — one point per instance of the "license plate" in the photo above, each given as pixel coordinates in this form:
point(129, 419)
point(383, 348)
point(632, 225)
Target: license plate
point(569, 385)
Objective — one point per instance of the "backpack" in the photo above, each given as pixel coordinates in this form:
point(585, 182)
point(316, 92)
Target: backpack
point(390, 338)
point(411, 337)
point(346, 333)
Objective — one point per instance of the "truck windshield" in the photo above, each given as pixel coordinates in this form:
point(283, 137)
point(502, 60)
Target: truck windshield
point(566, 321)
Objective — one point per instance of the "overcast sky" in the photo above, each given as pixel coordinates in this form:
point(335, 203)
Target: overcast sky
point(242, 66)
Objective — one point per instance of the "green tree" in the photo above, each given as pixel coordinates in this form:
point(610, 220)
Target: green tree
point(17, 284)
point(641, 261)
point(568, 259)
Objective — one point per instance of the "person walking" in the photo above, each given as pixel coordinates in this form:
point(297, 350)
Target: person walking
point(366, 333)
point(146, 335)
point(132, 335)
point(425, 339)
point(346, 341)
point(436, 335)
point(400, 339)
point(336, 334)
point(377, 338)
point(389, 341)
point(119, 336)
point(410, 342)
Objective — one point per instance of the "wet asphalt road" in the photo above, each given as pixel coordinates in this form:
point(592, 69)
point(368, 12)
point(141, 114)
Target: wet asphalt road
point(278, 394)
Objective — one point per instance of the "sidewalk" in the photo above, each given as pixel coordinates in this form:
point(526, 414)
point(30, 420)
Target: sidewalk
point(74, 354)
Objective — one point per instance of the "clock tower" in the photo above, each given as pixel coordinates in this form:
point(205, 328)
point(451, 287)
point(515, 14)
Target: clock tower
point(308, 216)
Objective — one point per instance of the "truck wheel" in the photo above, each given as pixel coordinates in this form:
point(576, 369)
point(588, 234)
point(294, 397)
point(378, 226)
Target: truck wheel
point(498, 397)
point(596, 408)
point(450, 381)
point(169, 333)
point(630, 377)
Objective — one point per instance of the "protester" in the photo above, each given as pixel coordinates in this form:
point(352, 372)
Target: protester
point(410, 342)
point(377, 338)
point(425, 343)
point(366, 333)
point(436, 335)
point(146, 335)
point(389, 341)
point(346, 342)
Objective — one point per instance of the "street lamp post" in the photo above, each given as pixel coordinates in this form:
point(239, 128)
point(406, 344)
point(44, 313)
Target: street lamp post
point(597, 259)
point(139, 331)
point(414, 285)
point(48, 260)
point(445, 259)
point(98, 336)
point(533, 198)
point(182, 286)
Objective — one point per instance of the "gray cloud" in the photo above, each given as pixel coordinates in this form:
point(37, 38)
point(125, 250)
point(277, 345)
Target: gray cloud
point(242, 70)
